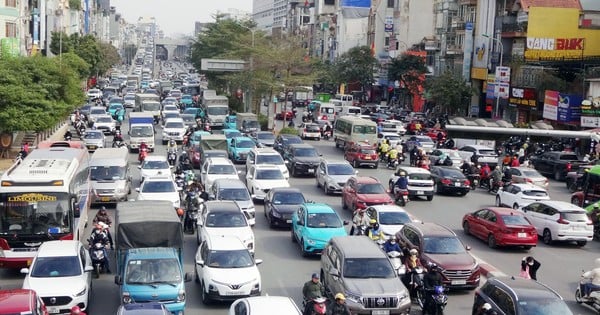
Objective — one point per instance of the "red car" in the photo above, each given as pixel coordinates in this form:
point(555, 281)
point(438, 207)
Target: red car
point(362, 192)
point(500, 227)
point(433, 134)
point(21, 301)
point(288, 114)
point(359, 154)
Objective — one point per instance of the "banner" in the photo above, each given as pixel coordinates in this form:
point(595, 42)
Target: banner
point(354, 9)
point(550, 105)
point(468, 51)
point(389, 24)
point(569, 108)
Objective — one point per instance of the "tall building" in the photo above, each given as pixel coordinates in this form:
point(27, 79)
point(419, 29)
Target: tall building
point(262, 14)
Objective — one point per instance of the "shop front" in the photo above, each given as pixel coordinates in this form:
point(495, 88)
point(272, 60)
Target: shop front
point(522, 105)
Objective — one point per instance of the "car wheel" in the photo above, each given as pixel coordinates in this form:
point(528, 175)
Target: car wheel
point(581, 243)
point(325, 190)
point(293, 235)
point(437, 188)
point(492, 241)
point(429, 198)
point(205, 298)
point(196, 278)
point(302, 247)
point(557, 176)
point(498, 201)
point(547, 237)
point(516, 206)
point(318, 184)
point(466, 228)
point(376, 165)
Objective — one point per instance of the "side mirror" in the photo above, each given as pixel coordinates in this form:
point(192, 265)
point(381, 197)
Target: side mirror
point(137, 189)
point(25, 271)
point(258, 261)
point(346, 222)
point(88, 269)
point(355, 172)
point(200, 262)
point(300, 223)
point(253, 196)
point(179, 188)
point(203, 172)
point(118, 280)
point(239, 172)
point(286, 162)
point(249, 176)
point(188, 277)
point(139, 167)
point(334, 272)
point(468, 247)
point(524, 209)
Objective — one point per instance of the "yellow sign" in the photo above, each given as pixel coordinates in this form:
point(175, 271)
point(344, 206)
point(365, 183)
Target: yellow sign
point(479, 73)
point(554, 33)
point(31, 198)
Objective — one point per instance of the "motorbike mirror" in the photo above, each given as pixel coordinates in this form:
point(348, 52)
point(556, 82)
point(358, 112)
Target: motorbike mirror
point(253, 196)
point(286, 162)
point(88, 269)
point(239, 172)
point(118, 280)
point(249, 176)
point(346, 222)
point(258, 261)
point(137, 189)
point(468, 247)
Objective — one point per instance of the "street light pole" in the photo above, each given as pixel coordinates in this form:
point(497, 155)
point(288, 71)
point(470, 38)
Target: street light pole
point(248, 102)
point(497, 83)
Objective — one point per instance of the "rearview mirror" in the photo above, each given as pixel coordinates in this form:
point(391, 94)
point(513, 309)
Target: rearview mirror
point(25, 271)
point(200, 262)
point(346, 222)
point(139, 167)
point(258, 261)
point(468, 247)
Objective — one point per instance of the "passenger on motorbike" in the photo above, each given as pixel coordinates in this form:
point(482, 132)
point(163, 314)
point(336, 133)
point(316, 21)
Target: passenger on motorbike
point(391, 245)
point(392, 155)
point(359, 219)
point(411, 263)
point(485, 172)
point(373, 231)
point(465, 167)
point(99, 236)
point(102, 216)
point(507, 176)
point(594, 283)
point(432, 279)
point(118, 137)
point(339, 307)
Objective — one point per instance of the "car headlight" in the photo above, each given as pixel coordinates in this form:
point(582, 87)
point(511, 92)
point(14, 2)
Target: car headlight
point(126, 298)
point(82, 292)
point(276, 214)
point(354, 297)
point(311, 242)
point(181, 296)
point(403, 295)
point(120, 190)
point(333, 184)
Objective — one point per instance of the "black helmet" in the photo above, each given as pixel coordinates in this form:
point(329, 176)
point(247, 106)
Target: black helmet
point(433, 266)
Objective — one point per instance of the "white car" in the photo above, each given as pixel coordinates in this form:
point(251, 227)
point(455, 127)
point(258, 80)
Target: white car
point(216, 168)
point(94, 93)
point(226, 270)
point(435, 155)
point(262, 178)
point(394, 126)
point(258, 156)
point(309, 130)
point(519, 195)
point(97, 111)
point(60, 272)
point(332, 175)
point(169, 109)
point(391, 218)
point(159, 188)
point(259, 305)
point(169, 101)
point(224, 218)
point(174, 128)
point(392, 138)
point(129, 101)
point(106, 124)
point(483, 153)
point(93, 139)
point(155, 165)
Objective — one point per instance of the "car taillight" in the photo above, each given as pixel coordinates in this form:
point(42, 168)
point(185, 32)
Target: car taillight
point(569, 166)
point(304, 129)
point(446, 181)
point(467, 182)
point(528, 180)
point(562, 221)
point(4, 244)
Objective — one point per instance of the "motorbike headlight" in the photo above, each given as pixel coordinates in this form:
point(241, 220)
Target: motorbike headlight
point(181, 296)
point(82, 292)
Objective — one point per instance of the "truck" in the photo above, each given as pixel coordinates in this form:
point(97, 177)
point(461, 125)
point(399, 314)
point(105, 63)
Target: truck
point(135, 78)
point(247, 122)
point(150, 264)
point(140, 98)
point(165, 86)
point(141, 129)
point(209, 142)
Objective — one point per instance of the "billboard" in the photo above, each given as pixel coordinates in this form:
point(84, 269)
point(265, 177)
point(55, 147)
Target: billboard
point(550, 105)
point(569, 108)
point(352, 9)
point(522, 97)
point(555, 33)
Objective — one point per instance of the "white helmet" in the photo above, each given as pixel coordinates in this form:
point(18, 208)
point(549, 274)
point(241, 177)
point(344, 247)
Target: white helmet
point(486, 307)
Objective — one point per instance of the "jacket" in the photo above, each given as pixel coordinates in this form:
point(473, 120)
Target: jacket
point(338, 309)
point(594, 274)
point(412, 264)
point(389, 247)
point(432, 279)
point(534, 268)
point(103, 218)
point(312, 290)
point(359, 220)
point(401, 182)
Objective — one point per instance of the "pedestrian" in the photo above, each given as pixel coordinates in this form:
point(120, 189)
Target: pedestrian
point(531, 266)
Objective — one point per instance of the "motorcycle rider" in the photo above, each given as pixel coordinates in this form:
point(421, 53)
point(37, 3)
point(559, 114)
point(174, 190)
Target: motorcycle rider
point(118, 137)
point(172, 146)
point(465, 167)
point(401, 183)
point(384, 147)
point(311, 290)
point(360, 219)
point(594, 283)
point(102, 216)
point(373, 231)
point(68, 135)
point(411, 263)
point(392, 156)
point(339, 307)
point(485, 172)
point(495, 177)
point(391, 245)
point(507, 175)
point(76, 310)
point(99, 236)
point(432, 279)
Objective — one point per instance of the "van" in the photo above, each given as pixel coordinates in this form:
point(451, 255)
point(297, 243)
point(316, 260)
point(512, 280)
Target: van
point(420, 182)
point(325, 110)
point(347, 99)
point(348, 263)
point(350, 111)
point(110, 176)
point(348, 130)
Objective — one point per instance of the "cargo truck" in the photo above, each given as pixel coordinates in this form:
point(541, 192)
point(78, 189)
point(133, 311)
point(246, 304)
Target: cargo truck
point(247, 122)
point(141, 129)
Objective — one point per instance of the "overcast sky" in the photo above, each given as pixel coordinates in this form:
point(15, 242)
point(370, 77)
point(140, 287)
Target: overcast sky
point(177, 16)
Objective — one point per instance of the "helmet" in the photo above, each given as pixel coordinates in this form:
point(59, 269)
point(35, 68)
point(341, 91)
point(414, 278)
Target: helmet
point(180, 212)
point(413, 252)
point(402, 174)
point(373, 221)
point(75, 310)
point(340, 296)
point(433, 266)
point(486, 307)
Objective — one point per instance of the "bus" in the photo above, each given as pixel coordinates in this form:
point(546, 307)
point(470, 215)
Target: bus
point(44, 197)
point(351, 129)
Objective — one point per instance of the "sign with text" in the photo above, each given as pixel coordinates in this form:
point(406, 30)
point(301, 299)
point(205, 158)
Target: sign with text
point(590, 113)
point(569, 108)
point(503, 74)
point(522, 97)
point(551, 105)
point(389, 24)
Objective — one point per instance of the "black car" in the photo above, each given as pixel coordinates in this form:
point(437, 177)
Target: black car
point(449, 179)
point(283, 141)
point(280, 204)
point(301, 159)
point(519, 296)
point(264, 138)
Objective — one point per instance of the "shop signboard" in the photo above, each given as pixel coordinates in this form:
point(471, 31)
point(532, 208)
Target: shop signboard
point(551, 105)
point(590, 113)
point(522, 97)
point(569, 108)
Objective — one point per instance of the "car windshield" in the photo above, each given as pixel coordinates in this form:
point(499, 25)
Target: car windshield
point(174, 125)
point(291, 140)
point(225, 219)
point(55, 267)
point(269, 159)
point(171, 109)
point(129, 98)
point(306, 152)
point(488, 152)
point(535, 193)
point(153, 271)
point(245, 144)
point(568, 157)
point(450, 172)
point(191, 111)
point(107, 173)
point(158, 187)
point(364, 129)
point(97, 111)
point(93, 135)
point(209, 154)
point(543, 306)
point(364, 268)
point(393, 218)
point(232, 134)
point(142, 131)
point(155, 165)
point(218, 111)
point(514, 220)
point(419, 176)
point(104, 120)
point(151, 106)
point(392, 137)
point(367, 151)
point(371, 189)
point(188, 118)
point(313, 128)
point(115, 106)
point(323, 220)
point(269, 174)
point(265, 136)
point(443, 245)
point(222, 169)
point(288, 198)
point(232, 119)
point(574, 216)
point(237, 194)
point(229, 259)
point(340, 169)
point(531, 173)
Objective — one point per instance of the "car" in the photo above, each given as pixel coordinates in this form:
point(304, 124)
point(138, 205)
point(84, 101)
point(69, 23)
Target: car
point(519, 195)
point(159, 187)
point(93, 139)
point(203, 155)
point(150, 308)
point(500, 227)
point(226, 270)
point(332, 175)
point(260, 179)
point(361, 192)
point(435, 155)
point(519, 296)
point(186, 100)
point(309, 131)
point(280, 204)
point(230, 122)
point(420, 181)
point(169, 115)
point(174, 128)
point(559, 221)
point(301, 159)
point(259, 305)
point(189, 120)
point(169, 101)
point(154, 165)
point(360, 154)
point(224, 218)
point(195, 111)
point(392, 138)
point(129, 101)
point(235, 190)
point(528, 175)
point(95, 112)
point(94, 93)
point(394, 126)
point(282, 142)
point(261, 156)
point(214, 168)
point(239, 147)
point(66, 262)
point(448, 179)
point(264, 138)
point(106, 124)
point(391, 218)
point(194, 140)
point(21, 301)
point(575, 179)
point(421, 142)
point(484, 154)
point(285, 115)
point(231, 133)
point(313, 225)
point(440, 245)
point(169, 109)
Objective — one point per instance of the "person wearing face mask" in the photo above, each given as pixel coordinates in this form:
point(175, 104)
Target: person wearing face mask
point(531, 266)
point(391, 245)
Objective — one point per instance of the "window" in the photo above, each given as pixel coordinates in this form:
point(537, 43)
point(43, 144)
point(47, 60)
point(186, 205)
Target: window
point(390, 3)
point(329, 2)
point(11, 29)
point(10, 3)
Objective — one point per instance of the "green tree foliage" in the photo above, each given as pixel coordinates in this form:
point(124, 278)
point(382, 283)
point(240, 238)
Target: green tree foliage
point(99, 56)
point(37, 92)
point(356, 66)
point(409, 70)
point(110, 57)
point(450, 92)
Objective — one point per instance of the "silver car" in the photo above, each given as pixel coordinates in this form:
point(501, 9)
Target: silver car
point(332, 175)
point(106, 124)
point(93, 139)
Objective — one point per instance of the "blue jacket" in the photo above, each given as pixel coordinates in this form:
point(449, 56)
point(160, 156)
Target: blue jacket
point(401, 182)
point(389, 247)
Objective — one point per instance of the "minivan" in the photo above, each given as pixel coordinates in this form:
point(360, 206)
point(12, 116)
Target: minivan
point(350, 111)
point(110, 176)
point(349, 263)
point(420, 182)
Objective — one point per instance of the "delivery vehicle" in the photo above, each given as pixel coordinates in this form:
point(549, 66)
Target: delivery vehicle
point(247, 122)
point(150, 265)
point(142, 97)
point(141, 129)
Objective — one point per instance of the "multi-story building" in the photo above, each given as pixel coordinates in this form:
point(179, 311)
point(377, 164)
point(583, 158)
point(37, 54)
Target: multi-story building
point(12, 25)
point(262, 15)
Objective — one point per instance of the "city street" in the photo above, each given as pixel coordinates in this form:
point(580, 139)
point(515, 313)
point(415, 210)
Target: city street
point(285, 270)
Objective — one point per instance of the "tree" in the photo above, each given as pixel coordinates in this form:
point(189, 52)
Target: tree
point(58, 41)
point(110, 57)
point(356, 66)
point(409, 70)
point(450, 92)
point(99, 56)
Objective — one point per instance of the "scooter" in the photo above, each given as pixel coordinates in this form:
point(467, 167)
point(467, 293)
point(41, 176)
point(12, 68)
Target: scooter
point(474, 180)
point(593, 301)
point(438, 301)
point(118, 144)
point(415, 285)
point(142, 155)
point(395, 258)
point(401, 196)
point(392, 163)
point(67, 138)
point(172, 157)
point(317, 306)
point(98, 259)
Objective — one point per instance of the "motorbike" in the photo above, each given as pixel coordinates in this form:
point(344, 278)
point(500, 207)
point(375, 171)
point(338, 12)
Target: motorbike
point(395, 258)
point(118, 144)
point(19, 157)
point(305, 117)
point(495, 185)
point(474, 180)
point(326, 135)
point(317, 306)
point(156, 120)
point(67, 138)
point(415, 285)
point(593, 301)
point(191, 216)
point(142, 155)
point(438, 300)
point(98, 259)
point(172, 157)
point(393, 163)
point(401, 196)
point(81, 130)
point(360, 230)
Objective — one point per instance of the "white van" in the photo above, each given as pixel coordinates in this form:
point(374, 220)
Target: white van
point(350, 111)
point(110, 177)
point(325, 109)
point(420, 182)
point(346, 99)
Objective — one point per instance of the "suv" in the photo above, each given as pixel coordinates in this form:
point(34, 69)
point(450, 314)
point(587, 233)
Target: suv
point(174, 128)
point(348, 263)
point(483, 154)
point(234, 190)
point(67, 262)
point(420, 182)
point(226, 270)
point(438, 244)
point(301, 159)
point(224, 218)
point(258, 156)
point(283, 141)
point(333, 175)
point(519, 296)
point(361, 192)
point(360, 154)
point(159, 187)
point(21, 301)
point(313, 225)
point(215, 168)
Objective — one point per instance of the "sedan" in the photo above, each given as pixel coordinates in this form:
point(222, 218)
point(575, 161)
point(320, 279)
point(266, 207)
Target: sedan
point(260, 179)
point(264, 138)
point(500, 227)
point(310, 130)
point(280, 203)
point(390, 218)
point(528, 175)
point(106, 124)
point(333, 175)
point(520, 195)
point(448, 179)
point(438, 154)
point(94, 139)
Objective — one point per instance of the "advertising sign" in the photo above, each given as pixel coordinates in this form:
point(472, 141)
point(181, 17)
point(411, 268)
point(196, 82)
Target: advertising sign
point(389, 24)
point(550, 105)
point(522, 97)
point(468, 51)
point(503, 74)
point(501, 89)
point(569, 108)
point(590, 113)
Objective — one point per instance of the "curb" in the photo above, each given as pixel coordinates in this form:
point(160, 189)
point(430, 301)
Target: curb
point(490, 271)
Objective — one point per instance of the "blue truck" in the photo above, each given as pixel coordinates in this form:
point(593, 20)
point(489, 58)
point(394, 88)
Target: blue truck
point(150, 263)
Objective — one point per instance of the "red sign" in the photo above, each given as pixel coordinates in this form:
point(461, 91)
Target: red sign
point(523, 97)
point(569, 43)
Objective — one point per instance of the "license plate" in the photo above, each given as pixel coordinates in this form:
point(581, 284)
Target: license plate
point(420, 192)
point(288, 221)
point(459, 282)
point(380, 312)
point(53, 310)
point(233, 293)
point(105, 198)
point(367, 157)
point(457, 184)
point(521, 235)
point(311, 170)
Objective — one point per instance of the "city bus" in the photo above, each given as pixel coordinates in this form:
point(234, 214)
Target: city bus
point(351, 129)
point(44, 197)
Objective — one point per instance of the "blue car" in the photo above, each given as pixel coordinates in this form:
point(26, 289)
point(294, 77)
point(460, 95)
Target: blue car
point(230, 134)
point(230, 122)
point(186, 101)
point(239, 147)
point(313, 225)
point(196, 136)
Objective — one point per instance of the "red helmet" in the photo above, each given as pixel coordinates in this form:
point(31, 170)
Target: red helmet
point(180, 212)
point(75, 310)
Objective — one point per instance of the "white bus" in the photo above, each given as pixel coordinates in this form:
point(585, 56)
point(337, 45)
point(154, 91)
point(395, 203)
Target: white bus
point(44, 197)
point(351, 129)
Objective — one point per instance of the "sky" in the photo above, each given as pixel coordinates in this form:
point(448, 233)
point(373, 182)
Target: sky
point(177, 16)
